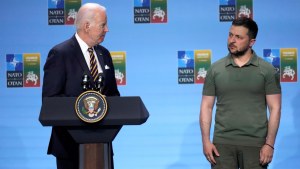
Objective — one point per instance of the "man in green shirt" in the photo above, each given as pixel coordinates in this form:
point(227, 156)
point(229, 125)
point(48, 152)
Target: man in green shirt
point(244, 85)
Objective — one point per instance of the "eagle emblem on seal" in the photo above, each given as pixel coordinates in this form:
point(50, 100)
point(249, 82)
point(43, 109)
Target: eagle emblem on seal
point(91, 105)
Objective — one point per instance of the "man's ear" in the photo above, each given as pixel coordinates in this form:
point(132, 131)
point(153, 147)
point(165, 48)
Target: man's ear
point(252, 41)
point(87, 26)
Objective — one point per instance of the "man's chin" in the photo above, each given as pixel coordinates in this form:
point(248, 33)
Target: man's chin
point(238, 53)
point(233, 52)
point(101, 40)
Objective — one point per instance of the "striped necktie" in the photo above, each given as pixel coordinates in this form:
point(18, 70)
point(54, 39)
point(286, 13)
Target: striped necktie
point(93, 64)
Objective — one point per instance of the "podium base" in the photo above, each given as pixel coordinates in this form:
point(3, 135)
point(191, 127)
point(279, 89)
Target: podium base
point(95, 156)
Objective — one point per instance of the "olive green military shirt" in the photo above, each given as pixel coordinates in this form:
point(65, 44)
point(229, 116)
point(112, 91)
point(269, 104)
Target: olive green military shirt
point(241, 108)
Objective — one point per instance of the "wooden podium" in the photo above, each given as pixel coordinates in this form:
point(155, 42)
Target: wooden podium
point(94, 139)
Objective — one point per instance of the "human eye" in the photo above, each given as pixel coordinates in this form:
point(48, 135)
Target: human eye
point(104, 24)
point(239, 37)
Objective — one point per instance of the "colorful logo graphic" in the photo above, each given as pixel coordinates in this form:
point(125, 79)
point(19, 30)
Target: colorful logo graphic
point(186, 67)
point(119, 60)
point(273, 57)
point(232, 9)
point(150, 11)
point(285, 62)
point(91, 106)
point(288, 57)
point(202, 63)
point(62, 12)
point(23, 70)
point(193, 65)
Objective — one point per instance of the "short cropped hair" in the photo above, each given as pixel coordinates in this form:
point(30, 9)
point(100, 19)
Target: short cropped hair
point(247, 23)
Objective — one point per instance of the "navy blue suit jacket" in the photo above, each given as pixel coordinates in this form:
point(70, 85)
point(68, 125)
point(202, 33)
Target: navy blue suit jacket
point(63, 73)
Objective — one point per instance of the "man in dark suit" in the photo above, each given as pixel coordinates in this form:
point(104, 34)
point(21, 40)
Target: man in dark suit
point(66, 64)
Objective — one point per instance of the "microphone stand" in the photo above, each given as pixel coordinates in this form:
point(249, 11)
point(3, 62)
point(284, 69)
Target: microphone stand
point(99, 83)
point(85, 82)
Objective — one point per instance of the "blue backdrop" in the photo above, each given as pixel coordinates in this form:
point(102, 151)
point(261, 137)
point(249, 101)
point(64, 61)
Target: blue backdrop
point(171, 138)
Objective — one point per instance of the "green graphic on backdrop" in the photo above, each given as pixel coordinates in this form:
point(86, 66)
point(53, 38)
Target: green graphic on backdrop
point(119, 60)
point(159, 11)
point(202, 63)
point(244, 8)
point(288, 57)
point(62, 12)
point(71, 9)
point(31, 69)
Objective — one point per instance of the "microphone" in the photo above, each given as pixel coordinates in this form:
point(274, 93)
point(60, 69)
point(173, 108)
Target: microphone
point(85, 82)
point(99, 82)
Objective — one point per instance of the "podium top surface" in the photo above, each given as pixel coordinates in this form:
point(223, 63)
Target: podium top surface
point(60, 111)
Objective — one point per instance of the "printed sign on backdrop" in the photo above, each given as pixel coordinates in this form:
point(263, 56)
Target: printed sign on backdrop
point(186, 67)
point(141, 11)
point(232, 9)
point(23, 70)
point(119, 60)
point(227, 10)
point(288, 57)
point(31, 69)
point(273, 57)
point(159, 11)
point(193, 65)
point(62, 12)
point(14, 73)
point(150, 11)
point(244, 8)
point(202, 63)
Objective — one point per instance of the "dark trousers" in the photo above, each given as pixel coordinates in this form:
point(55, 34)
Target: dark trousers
point(236, 156)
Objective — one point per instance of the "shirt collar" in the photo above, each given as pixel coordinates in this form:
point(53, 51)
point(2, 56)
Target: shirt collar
point(253, 61)
point(84, 47)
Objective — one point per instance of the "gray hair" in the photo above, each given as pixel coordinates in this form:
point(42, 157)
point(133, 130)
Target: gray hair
point(86, 13)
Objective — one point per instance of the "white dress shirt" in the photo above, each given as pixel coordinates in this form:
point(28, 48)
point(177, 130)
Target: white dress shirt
point(84, 48)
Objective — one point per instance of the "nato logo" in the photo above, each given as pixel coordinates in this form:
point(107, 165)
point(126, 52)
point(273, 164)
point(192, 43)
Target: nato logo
point(62, 12)
point(227, 10)
point(186, 59)
point(150, 11)
point(23, 70)
point(232, 9)
point(14, 62)
point(56, 4)
point(227, 2)
point(142, 11)
point(14, 74)
point(186, 67)
point(273, 57)
point(56, 12)
point(142, 3)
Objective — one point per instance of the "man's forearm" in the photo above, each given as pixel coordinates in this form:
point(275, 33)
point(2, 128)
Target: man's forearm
point(205, 130)
point(273, 126)
point(274, 104)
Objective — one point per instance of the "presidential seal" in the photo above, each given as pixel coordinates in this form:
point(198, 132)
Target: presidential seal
point(91, 106)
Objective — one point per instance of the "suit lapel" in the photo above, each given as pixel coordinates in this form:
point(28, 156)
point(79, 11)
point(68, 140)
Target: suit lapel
point(79, 56)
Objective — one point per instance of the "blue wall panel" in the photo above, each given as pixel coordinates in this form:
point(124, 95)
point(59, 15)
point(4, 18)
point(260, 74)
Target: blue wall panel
point(170, 139)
